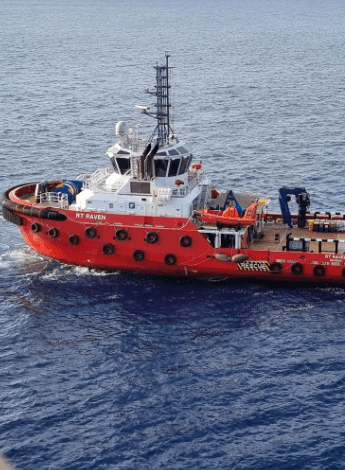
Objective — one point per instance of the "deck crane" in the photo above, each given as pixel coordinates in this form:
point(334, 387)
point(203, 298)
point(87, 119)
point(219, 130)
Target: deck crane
point(302, 200)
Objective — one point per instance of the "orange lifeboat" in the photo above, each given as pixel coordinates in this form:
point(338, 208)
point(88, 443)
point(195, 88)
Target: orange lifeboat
point(230, 216)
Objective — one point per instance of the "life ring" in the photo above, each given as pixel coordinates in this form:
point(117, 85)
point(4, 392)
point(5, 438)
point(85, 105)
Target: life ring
point(319, 270)
point(276, 268)
point(138, 255)
point(90, 232)
point(196, 166)
point(179, 182)
point(73, 239)
point(169, 259)
point(53, 232)
point(297, 268)
point(121, 234)
point(151, 237)
point(185, 241)
point(108, 249)
point(35, 227)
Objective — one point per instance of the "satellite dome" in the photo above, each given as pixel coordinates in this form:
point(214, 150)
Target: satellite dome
point(121, 128)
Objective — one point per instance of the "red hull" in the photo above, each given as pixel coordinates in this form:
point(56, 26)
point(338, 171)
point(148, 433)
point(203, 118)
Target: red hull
point(198, 259)
point(175, 246)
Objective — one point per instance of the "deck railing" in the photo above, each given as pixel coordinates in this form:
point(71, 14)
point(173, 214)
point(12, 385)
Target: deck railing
point(96, 180)
point(58, 200)
point(194, 178)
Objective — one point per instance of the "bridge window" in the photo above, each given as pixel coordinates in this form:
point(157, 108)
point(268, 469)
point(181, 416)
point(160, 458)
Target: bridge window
point(184, 165)
point(112, 159)
point(173, 152)
point(174, 165)
point(161, 167)
point(124, 164)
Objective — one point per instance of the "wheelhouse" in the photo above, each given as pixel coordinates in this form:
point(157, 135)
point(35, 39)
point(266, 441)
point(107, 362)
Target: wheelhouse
point(167, 163)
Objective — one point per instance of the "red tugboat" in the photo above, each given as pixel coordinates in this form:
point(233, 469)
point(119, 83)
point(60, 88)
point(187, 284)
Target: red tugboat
point(153, 211)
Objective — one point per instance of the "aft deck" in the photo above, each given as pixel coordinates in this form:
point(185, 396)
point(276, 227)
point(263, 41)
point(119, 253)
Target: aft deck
point(279, 237)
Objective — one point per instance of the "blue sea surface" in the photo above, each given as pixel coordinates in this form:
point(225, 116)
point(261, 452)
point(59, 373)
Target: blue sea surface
point(124, 372)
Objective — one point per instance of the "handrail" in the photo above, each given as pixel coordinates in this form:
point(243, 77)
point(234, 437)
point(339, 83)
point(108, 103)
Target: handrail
point(196, 178)
point(58, 200)
point(96, 178)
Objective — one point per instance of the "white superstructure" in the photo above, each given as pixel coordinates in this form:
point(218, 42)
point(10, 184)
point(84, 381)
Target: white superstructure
point(152, 176)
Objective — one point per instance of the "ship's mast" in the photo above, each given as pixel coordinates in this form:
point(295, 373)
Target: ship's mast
point(163, 102)
point(162, 114)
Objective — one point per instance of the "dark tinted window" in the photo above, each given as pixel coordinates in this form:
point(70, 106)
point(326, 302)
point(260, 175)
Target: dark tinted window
point(174, 164)
point(161, 153)
point(173, 152)
point(124, 164)
point(123, 152)
point(112, 159)
point(161, 167)
point(182, 150)
point(184, 165)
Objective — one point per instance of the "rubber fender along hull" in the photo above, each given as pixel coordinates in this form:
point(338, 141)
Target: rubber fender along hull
point(11, 216)
point(27, 210)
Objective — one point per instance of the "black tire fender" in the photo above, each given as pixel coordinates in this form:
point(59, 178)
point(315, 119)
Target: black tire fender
point(169, 259)
point(53, 232)
point(185, 241)
point(73, 239)
point(138, 255)
point(121, 234)
point(35, 227)
point(319, 270)
point(297, 268)
point(108, 249)
point(90, 232)
point(151, 237)
point(276, 268)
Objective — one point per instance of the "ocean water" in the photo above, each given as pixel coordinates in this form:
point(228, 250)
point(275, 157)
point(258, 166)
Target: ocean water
point(102, 371)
